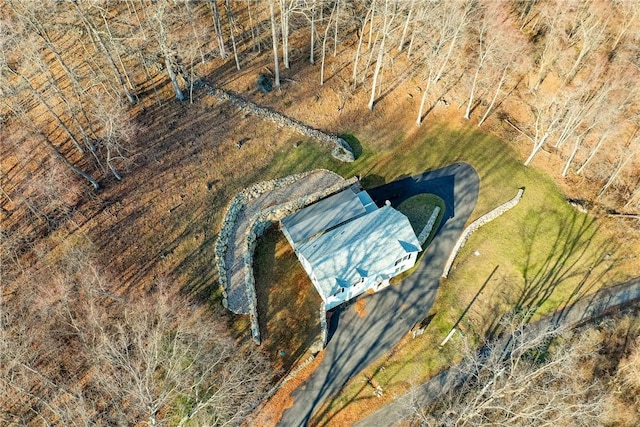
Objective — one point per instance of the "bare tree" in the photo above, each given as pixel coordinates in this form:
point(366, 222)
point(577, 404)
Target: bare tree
point(519, 380)
point(443, 28)
point(366, 19)
point(626, 153)
point(547, 117)
point(116, 130)
point(159, 16)
point(324, 43)
point(547, 27)
point(274, 41)
point(215, 11)
point(154, 357)
point(227, 6)
point(388, 17)
point(100, 42)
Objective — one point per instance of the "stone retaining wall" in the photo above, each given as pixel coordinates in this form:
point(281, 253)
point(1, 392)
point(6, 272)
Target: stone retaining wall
point(259, 224)
point(324, 328)
point(484, 219)
point(238, 203)
point(340, 148)
point(426, 231)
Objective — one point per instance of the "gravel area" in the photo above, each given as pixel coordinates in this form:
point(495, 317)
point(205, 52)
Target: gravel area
point(234, 259)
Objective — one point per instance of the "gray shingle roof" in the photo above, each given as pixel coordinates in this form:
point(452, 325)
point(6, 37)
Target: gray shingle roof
point(323, 215)
point(362, 247)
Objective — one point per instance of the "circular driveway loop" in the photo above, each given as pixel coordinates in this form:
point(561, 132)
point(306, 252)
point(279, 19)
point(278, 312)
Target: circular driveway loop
point(358, 341)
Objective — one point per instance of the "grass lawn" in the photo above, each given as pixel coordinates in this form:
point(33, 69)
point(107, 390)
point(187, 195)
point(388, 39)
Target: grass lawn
point(547, 253)
point(419, 209)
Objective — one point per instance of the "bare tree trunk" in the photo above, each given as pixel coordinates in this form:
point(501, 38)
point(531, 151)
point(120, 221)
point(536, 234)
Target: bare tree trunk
point(335, 32)
point(253, 33)
point(467, 112)
point(423, 100)
point(73, 167)
point(406, 26)
point(413, 35)
point(503, 78)
point(576, 145)
point(324, 44)
point(593, 153)
point(545, 123)
point(373, 13)
point(231, 31)
point(359, 49)
point(380, 56)
point(194, 30)
point(172, 77)
point(213, 6)
point(377, 72)
point(312, 42)
point(132, 99)
point(274, 41)
point(592, 32)
point(538, 144)
point(95, 36)
point(622, 163)
point(284, 32)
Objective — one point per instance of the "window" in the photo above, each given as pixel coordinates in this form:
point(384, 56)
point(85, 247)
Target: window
point(403, 259)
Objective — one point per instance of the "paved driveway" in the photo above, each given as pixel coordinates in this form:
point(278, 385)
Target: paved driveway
point(582, 311)
point(358, 341)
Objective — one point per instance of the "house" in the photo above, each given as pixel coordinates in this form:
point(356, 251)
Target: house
point(348, 245)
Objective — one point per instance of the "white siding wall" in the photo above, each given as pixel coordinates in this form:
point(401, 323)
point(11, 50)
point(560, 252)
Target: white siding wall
point(371, 282)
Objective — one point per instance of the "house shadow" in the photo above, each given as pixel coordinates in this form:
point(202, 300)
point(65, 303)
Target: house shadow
point(400, 190)
point(333, 321)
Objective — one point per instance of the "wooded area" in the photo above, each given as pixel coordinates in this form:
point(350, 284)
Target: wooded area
point(589, 376)
point(75, 75)
point(562, 72)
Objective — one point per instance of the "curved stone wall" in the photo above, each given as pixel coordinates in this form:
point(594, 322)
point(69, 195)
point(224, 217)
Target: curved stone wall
point(259, 224)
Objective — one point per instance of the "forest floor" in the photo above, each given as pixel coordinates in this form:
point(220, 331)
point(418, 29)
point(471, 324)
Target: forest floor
point(160, 223)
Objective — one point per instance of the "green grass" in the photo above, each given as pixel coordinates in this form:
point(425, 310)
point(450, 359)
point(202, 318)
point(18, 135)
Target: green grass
point(500, 170)
point(420, 208)
point(548, 254)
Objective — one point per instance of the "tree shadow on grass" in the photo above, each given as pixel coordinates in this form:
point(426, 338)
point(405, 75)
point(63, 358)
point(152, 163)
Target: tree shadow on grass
point(570, 258)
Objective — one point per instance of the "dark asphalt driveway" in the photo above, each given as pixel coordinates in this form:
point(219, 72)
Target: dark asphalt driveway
point(358, 341)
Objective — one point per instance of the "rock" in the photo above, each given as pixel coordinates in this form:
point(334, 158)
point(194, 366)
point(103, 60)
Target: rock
point(342, 151)
point(241, 142)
